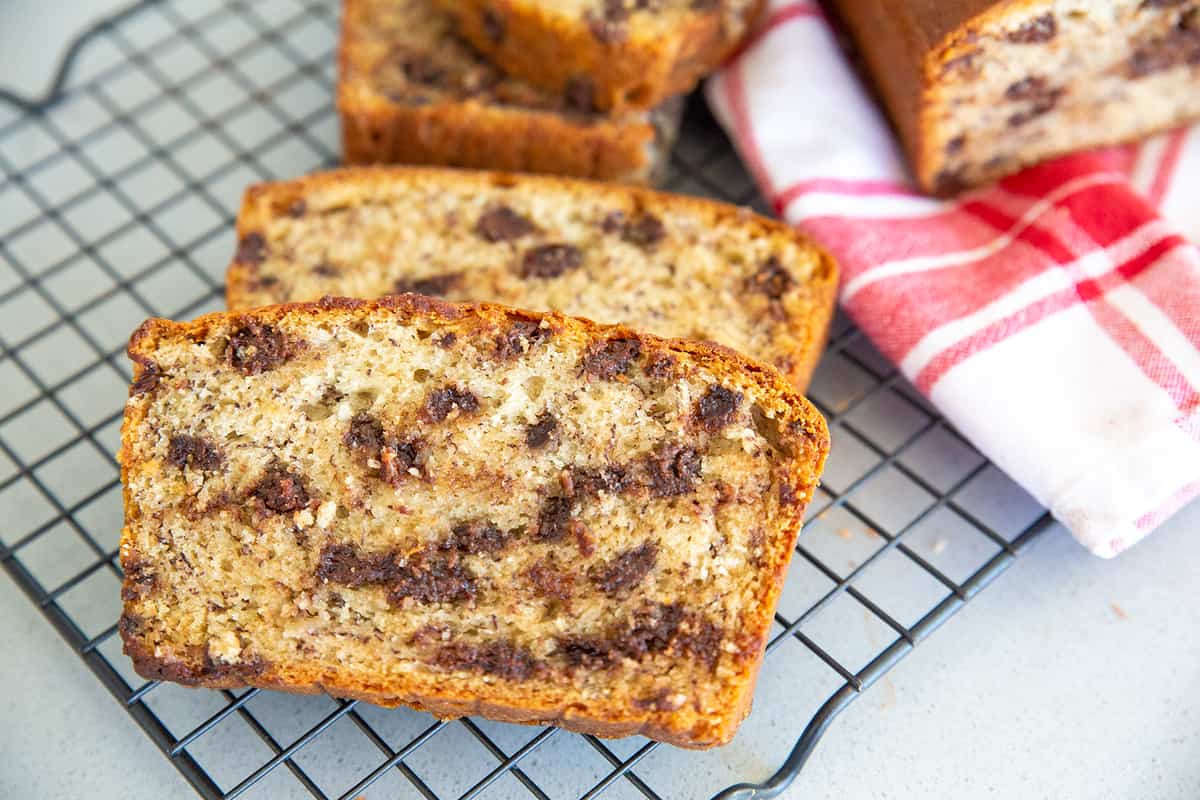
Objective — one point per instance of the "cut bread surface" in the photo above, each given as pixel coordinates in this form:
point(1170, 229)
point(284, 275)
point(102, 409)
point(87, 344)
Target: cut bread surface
point(410, 91)
point(675, 266)
point(466, 509)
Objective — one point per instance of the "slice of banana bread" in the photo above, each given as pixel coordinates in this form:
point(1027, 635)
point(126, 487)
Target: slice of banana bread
point(618, 54)
point(409, 91)
point(980, 89)
point(466, 509)
point(675, 266)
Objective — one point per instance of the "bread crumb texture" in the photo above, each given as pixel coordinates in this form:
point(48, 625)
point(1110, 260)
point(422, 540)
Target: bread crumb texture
point(674, 266)
point(465, 509)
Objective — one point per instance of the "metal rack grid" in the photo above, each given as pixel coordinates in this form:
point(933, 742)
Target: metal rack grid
point(116, 203)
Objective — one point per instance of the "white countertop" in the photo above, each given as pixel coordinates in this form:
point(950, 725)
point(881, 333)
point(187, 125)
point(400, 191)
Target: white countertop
point(1070, 677)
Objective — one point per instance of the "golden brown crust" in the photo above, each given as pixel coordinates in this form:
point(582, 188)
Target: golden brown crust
point(473, 132)
point(630, 69)
point(263, 202)
point(803, 431)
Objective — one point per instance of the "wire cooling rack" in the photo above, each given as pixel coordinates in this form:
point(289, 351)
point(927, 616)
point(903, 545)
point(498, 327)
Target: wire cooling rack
point(116, 203)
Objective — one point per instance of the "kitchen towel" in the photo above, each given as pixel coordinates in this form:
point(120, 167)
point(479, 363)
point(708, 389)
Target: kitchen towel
point(1054, 318)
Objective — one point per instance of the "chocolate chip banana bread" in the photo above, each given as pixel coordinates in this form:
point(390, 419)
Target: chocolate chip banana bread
point(980, 89)
point(409, 91)
point(675, 266)
point(617, 54)
point(467, 509)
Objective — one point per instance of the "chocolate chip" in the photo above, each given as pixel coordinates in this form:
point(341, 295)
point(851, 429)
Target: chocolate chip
point(1030, 88)
point(195, 452)
point(551, 260)
point(673, 469)
point(645, 231)
point(661, 367)
point(608, 359)
point(447, 340)
point(611, 479)
point(706, 5)
point(428, 579)
point(502, 659)
point(626, 570)
point(147, 381)
point(787, 494)
point(365, 433)
point(251, 249)
point(432, 285)
point(1178, 47)
point(423, 69)
point(475, 537)
point(424, 576)
point(553, 520)
point(257, 347)
point(579, 94)
point(955, 145)
point(771, 279)
point(493, 25)
point(326, 270)
point(443, 401)
point(654, 629)
point(397, 458)
point(716, 408)
point(521, 335)
point(1036, 91)
point(281, 490)
point(550, 579)
point(664, 699)
point(344, 565)
point(140, 579)
point(950, 181)
point(297, 209)
point(538, 434)
point(1037, 30)
point(613, 222)
point(502, 224)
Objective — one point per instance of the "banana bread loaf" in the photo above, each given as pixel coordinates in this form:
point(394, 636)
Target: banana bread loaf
point(618, 54)
point(409, 91)
point(675, 266)
point(979, 89)
point(467, 509)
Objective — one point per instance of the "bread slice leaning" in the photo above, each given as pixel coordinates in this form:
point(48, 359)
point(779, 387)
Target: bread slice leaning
point(619, 54)
point(410, 92)
point(467, 509)
point(671, 265)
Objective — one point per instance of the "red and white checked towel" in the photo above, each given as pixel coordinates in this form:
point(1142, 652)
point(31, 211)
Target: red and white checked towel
point(1054, 319)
